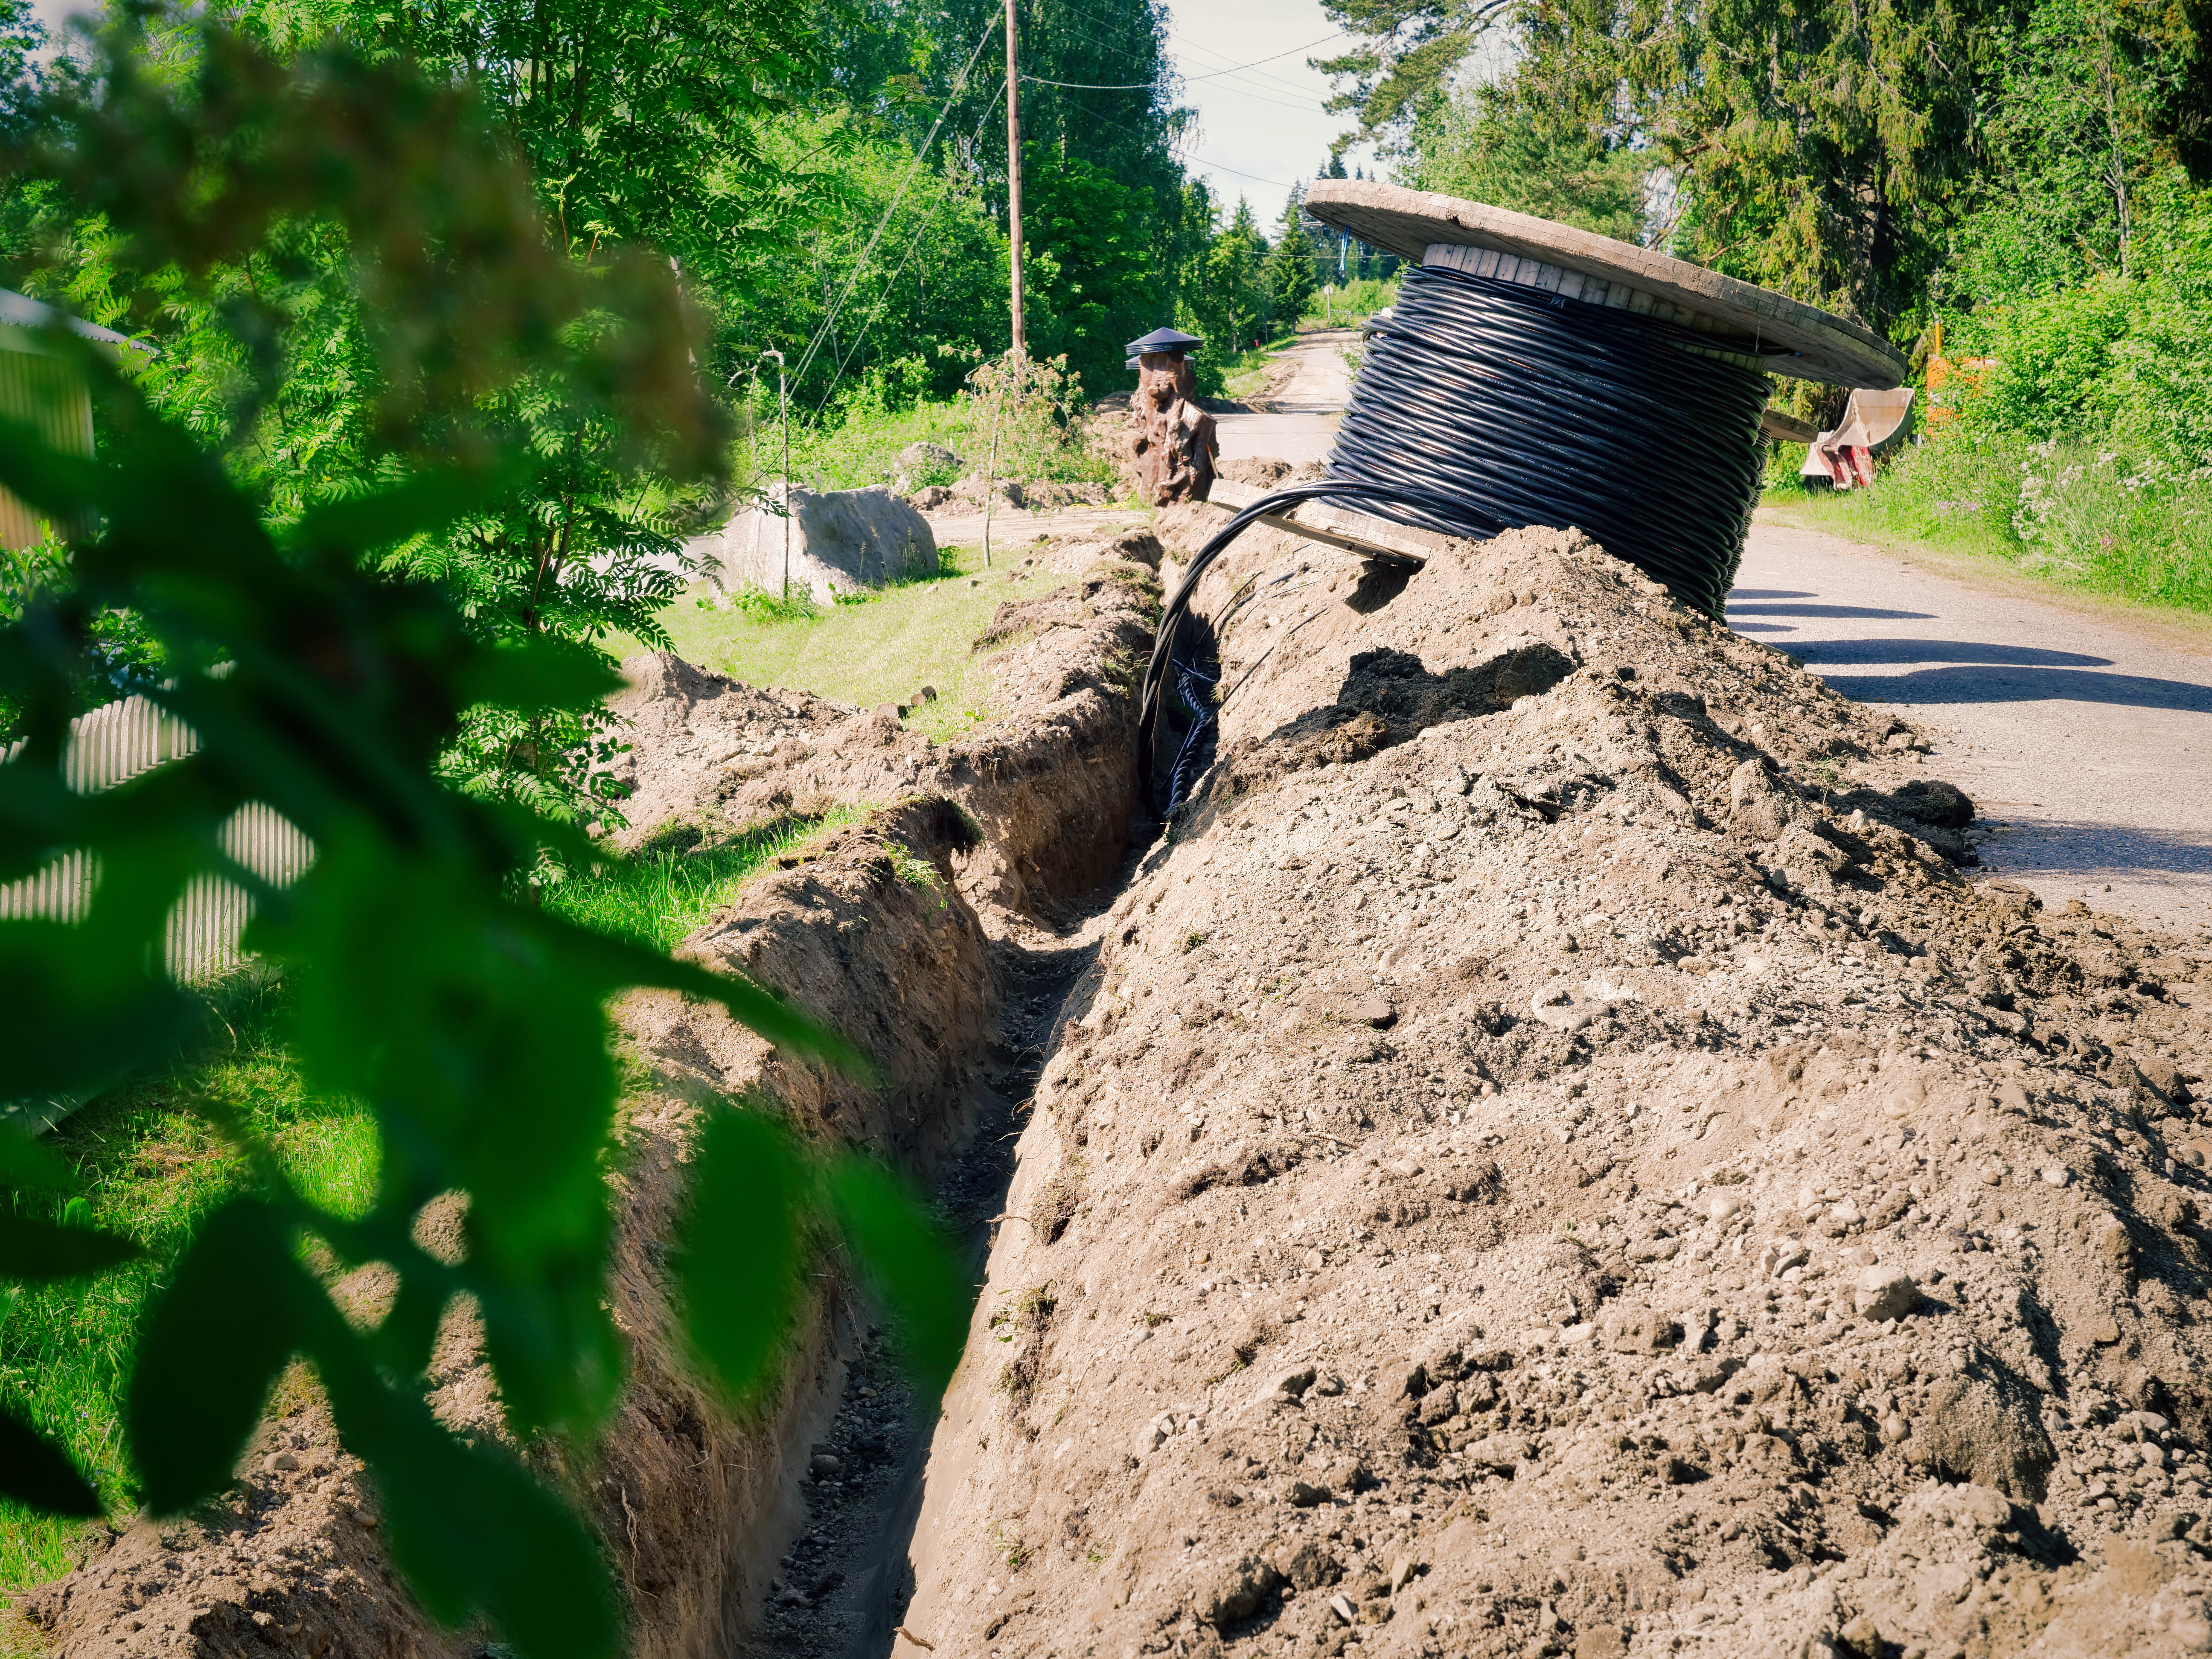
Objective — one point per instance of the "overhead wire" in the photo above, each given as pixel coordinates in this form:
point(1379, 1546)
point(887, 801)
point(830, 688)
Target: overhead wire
point(860, 334)
point(1212, 75)
point(959, 85)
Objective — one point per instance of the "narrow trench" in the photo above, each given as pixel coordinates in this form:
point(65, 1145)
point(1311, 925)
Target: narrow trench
point(842, 1587)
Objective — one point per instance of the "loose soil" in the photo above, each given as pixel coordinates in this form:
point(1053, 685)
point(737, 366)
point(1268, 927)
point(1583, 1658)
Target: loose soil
point(1555, 1159)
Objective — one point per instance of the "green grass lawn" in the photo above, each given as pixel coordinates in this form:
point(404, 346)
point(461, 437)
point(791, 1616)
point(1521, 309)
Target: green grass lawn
point(151, 1169)
point(878, 649)
point(662, 895)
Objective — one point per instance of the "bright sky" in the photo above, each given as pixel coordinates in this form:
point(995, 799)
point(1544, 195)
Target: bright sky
point(1262, 128)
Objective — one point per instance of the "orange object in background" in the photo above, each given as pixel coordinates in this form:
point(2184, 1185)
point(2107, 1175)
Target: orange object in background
point(1949, 384)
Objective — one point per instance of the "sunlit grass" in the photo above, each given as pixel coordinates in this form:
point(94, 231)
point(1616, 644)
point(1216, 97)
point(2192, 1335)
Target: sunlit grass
point(2070, 515)
point(152, 1169)
point(661, 896)
point(880, 649)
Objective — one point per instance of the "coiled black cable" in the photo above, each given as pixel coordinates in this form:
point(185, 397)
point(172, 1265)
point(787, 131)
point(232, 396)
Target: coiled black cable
point(1483, 406)
point(1524, 408)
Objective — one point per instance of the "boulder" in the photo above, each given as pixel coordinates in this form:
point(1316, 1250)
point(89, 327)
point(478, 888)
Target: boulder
point(924, 464)
point(842, 541)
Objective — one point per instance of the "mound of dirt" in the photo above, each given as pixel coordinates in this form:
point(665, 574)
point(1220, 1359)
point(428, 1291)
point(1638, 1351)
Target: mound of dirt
point(710, 755)
point(1554, 1158)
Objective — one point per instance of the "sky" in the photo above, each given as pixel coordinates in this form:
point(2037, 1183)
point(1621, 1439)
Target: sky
point(1262, 128)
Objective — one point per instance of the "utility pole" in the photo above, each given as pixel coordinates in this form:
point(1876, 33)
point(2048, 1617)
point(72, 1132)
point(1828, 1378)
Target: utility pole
point(1014, 174)
point(783, 414)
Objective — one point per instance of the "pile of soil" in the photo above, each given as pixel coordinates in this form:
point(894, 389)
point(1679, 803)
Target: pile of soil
point(1554, 1158)
point(1038, 494)
point(711, 756)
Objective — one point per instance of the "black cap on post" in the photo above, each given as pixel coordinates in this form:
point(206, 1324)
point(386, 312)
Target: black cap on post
point(1163, 339)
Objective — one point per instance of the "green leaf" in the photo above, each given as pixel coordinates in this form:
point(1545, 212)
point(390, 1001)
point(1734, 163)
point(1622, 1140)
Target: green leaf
point(543, 674)
point(427, 503)
point(737, 1271)
point(910, 1260)
point(34, 1472)
point(39, 1252)
point(211, 1349)
point(472, 1532)
point(24, 1163)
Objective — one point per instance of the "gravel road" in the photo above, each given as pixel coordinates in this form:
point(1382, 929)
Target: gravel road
point(2085, 738)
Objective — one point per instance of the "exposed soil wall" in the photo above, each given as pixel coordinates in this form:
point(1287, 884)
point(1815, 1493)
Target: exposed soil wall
point(1555, 1159)
point(696, 1506)
point(713, 753)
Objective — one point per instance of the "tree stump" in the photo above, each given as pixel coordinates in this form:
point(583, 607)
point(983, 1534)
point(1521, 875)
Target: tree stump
point(1174, 443)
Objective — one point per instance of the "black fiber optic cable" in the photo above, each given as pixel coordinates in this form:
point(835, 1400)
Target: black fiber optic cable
point(1524, 408)
point(1483, 406)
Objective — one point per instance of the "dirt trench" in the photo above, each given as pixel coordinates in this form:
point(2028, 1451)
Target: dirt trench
point(1556, 1155)
point(939, 933)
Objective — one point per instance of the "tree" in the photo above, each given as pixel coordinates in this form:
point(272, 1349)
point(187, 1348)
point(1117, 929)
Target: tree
point(473, 1025)
point(1230, 303)
point(1289, 269)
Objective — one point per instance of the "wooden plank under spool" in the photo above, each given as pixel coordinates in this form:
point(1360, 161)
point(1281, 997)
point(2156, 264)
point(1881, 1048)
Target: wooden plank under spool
point(1335, 526)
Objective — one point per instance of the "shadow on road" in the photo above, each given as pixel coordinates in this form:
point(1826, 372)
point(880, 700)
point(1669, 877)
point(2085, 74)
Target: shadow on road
point(1867, 611)
point(2091, 850)
point(2008, 683)
point(1951, 650)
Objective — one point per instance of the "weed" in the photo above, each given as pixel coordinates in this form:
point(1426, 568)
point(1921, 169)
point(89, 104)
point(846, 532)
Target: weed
point(913, 870)
point(1011, 1548)
point(1192, 941)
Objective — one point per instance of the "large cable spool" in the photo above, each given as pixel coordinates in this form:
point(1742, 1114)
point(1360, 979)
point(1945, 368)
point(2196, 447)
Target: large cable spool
point(1535, 374)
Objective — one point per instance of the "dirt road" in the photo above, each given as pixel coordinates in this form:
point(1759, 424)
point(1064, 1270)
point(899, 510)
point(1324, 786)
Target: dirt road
point(1302, 401)
point(2085, 739)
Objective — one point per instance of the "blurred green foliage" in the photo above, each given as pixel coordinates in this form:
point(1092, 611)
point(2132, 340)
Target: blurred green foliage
point(329, 651)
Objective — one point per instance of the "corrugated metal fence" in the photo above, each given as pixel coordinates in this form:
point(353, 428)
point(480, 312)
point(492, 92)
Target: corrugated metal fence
point(111, 746)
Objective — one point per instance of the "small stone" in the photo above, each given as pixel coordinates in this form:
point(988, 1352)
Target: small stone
point(1722, 1206)
point(1343, 1607)
point(825, 1467)
point(2104, 1332)
point(1304, 1495)
point(1884, 1293)
point(1993, 1175)
point(2055, 1176)
point(277, 1462)
point(927, 693)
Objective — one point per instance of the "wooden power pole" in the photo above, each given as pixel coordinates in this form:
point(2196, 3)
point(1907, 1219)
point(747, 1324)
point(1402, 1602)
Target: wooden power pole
point(1014, 174)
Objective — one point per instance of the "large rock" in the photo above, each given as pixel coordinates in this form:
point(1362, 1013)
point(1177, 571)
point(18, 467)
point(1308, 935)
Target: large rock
point(841, 541)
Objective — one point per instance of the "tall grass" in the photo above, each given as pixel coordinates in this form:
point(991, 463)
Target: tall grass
point(152, 1167)
point(664, 893)
point(2074, 514)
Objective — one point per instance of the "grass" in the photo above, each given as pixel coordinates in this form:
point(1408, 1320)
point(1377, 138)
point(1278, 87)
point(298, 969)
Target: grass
point(2071, 516)
point(151, 1168)
point(666, 893)
point(1339, 305)
point(860, 449)
point(879, 648)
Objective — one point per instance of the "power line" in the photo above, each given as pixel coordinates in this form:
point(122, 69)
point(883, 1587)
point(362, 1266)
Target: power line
point(959, 85)
point(1212, 75)
point(860, 334)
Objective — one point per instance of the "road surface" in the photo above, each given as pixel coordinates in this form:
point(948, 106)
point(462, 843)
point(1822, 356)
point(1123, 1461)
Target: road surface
point(2084, 735)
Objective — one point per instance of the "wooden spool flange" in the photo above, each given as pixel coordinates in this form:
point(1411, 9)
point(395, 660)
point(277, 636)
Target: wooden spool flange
point(1748, 323)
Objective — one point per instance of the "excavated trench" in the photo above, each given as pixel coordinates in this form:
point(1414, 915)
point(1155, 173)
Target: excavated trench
point(1546, 1153)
